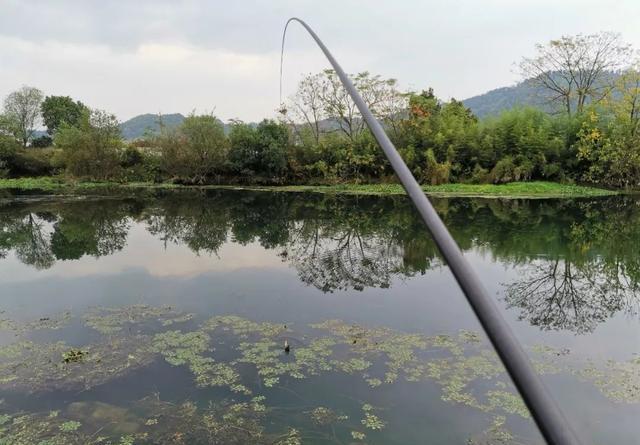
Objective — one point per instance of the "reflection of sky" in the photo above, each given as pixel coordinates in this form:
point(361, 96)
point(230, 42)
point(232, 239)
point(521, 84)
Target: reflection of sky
point(256, 283)
point(146, 252)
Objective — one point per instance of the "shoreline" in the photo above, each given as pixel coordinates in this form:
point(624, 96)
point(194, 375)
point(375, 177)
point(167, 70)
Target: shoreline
point(520, 190)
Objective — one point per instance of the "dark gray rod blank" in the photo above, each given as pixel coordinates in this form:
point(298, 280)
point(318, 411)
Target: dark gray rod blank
point(550, 420)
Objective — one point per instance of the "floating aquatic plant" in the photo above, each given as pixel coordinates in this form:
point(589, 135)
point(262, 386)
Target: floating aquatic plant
point(358, 435)
point(113, 320)
point(370, 420)
point(73, 355)
point(620, 381)
point(35, 367)
point(180, 348)
point(52, 322)
point(70, 426)
point(323, 416)
point(231, 352)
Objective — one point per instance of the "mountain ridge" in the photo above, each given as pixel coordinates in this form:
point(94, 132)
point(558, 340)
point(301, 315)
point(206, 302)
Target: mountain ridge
point(491, 103)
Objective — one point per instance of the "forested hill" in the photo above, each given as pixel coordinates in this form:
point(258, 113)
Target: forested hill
point(138, 126)
point(491, 103)
point(496, 101)
point(483, 105)
point(144, 124)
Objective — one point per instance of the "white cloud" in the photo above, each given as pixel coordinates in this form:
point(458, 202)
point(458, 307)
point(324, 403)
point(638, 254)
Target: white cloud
point(154, 77)
point(149, 56)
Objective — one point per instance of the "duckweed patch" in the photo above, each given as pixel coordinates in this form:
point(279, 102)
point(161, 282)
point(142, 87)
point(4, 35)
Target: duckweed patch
point(53, 323)
point(246, 357)
point(182, 423)
point(370, 420)
point(619, 381)
point(36, 367)
point(112, 320)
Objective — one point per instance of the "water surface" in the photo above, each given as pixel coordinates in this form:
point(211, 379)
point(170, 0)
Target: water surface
point(162, 319)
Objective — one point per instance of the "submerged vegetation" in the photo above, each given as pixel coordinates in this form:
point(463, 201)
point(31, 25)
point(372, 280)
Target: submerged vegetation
point(229, 352)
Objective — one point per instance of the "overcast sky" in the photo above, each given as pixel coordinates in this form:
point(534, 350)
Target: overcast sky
point(149, 56)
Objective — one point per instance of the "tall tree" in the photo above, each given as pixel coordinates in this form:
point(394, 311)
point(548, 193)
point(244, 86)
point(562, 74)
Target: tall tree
point(625, 100)
point(22, 108)
point(92, 149)
point(57, 110)
point(307, 108)
point(576, 69)
point(196, 151)
point(380, 95)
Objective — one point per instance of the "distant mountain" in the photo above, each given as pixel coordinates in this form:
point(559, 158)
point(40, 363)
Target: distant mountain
point(496, 101)
point(138, 126)
point(522, 94)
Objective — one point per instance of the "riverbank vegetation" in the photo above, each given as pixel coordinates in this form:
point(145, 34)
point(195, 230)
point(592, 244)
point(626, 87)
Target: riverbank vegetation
point(319, 137)
point(533, 189)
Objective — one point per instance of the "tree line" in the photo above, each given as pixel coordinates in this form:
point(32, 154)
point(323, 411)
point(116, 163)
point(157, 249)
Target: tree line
point(592, 134)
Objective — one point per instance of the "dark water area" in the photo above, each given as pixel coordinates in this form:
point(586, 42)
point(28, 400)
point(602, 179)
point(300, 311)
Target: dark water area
point(162, 318)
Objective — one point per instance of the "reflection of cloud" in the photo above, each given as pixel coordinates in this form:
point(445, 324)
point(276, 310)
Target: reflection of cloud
point(147, 253)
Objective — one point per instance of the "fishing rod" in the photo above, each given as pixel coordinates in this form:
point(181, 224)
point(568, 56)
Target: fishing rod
point(546, 413)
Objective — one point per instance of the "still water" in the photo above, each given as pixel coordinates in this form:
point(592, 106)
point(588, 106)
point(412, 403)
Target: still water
point(163, 318)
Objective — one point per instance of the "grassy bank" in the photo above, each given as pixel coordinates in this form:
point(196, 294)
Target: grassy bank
point(512, 190)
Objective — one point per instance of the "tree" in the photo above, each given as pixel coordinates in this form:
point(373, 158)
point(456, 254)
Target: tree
point(196, 150)
point(307, 109)
point(625, 99)
point(259, 151)
point(574, 70)
point(22, 109)
point(610, 150)
point(91, 149)
point(380, 95)
point(57, 110)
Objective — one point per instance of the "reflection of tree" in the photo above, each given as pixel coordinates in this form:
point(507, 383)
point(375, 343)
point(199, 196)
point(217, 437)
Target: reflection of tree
point(27, 235)
point(343, 260)
point(199, 224)
point(95, 230)
point(560, 295)
point(40, 234)
point(579, 258)
point(355, 243)
point(589, 275)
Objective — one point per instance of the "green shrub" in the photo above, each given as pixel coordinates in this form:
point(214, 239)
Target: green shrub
point(436, 173)
point(195, 152)
point(504, 171)
point(91, 149)
point(130, 157)
point(480, 175)
point(34, 162)
point(42, 142)
point(8, 148)
point(259, 151)
point(147, 169)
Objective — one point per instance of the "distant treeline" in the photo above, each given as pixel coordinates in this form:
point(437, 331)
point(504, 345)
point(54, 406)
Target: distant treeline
point(320, 137)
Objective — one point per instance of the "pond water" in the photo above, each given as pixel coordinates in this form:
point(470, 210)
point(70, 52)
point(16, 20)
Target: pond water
point(162, 318)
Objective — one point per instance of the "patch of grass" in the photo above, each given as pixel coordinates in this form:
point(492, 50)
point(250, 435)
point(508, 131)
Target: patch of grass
point(42, 183)
point(59, 184)
point(535, 189)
